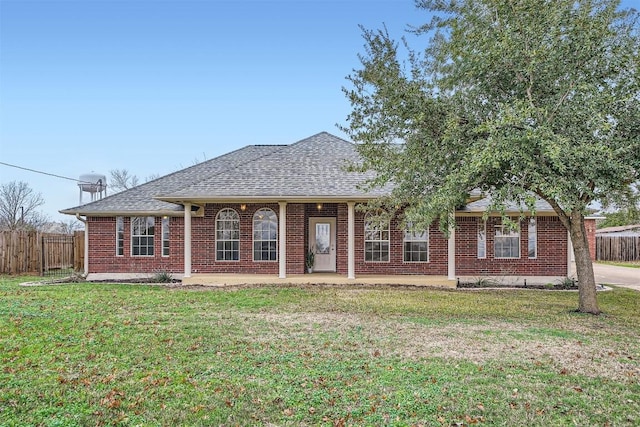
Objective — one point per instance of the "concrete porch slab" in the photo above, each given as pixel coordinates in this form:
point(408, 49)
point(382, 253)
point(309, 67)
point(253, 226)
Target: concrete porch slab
point(222, 280)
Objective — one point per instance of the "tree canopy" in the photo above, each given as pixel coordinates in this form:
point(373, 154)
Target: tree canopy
point(518, 99)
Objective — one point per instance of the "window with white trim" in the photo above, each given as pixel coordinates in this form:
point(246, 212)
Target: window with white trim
point(506, 241)
point(265, 235)
point(533, 238)
point(482, 238)
point(119, 236)
point(227, 235)
point(165, 236)
point(142, 235)
point(416, 244)
point(376, 240)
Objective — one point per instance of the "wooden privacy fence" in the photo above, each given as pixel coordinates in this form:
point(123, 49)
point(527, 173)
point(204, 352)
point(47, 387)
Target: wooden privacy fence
point(618, 248)
point(41, 253)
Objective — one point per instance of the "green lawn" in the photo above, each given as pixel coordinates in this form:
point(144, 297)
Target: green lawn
point(98, 354)
point(631, 264)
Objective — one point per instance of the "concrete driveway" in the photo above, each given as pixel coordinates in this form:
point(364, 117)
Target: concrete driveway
point(622, 276)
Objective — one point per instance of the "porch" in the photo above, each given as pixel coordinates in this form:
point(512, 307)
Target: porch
point(221, 280)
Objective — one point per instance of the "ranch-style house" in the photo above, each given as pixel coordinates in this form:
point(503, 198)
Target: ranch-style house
point(261, 209)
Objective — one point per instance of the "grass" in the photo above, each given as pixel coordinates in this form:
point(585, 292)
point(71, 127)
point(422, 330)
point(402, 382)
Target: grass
point(98, 354)
point(630, 264)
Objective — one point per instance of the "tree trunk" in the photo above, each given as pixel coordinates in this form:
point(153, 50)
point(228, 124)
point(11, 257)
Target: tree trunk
point(588, 302)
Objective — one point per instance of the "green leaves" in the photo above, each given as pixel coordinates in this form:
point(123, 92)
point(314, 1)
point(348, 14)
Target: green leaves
point(511, 97)
point(534, 97)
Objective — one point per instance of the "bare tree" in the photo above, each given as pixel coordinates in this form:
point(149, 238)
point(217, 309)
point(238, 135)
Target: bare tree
point(122, 179)
point(18, 207)
point(70, 225)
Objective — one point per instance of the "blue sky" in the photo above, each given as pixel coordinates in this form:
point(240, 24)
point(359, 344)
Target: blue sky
point(153, 86)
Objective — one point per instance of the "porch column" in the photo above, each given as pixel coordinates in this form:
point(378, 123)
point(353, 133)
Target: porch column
point(86, 248)
point(187, 240)
point(283, 240)
point(86, 243)
point(451, 250)
point(351, 241)
point(569, 255)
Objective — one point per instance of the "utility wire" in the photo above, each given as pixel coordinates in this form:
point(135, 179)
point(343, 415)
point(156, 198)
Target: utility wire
point(45, 173)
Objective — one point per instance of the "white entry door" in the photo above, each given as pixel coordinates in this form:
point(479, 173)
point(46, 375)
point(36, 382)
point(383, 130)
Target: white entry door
point(322, 241)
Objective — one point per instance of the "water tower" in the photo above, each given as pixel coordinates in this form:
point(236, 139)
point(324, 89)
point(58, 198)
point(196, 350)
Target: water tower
point(94, 184)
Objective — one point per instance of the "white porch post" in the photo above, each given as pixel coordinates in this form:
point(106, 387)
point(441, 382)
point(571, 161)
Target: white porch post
point(86, 243)
point(451, 250)
point(187, 240)
point(569, 255)
point(86, 248)
point(282, 256)
point(351, 241)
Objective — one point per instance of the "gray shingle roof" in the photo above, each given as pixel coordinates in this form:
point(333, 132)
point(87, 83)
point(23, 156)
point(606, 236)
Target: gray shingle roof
point(141, 199)
point(482, 205)
point(622, 230)
point(312, 167)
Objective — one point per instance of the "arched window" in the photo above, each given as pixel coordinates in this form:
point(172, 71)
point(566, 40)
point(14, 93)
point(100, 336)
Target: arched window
point(265, 235)
point(376, 239)
point(416, 244)
point(227, 235)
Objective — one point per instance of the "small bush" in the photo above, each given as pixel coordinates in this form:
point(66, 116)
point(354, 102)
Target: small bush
point(484, 282)
point(567, 283)
point(163, 277)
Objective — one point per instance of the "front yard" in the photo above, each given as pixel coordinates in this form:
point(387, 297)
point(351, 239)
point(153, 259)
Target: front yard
point(98, 354)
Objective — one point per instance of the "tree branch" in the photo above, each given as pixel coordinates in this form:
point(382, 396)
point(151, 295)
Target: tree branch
point(562, 99)
point(564, 218)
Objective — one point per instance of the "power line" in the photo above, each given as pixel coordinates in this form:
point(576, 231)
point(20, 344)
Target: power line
point(45, 173)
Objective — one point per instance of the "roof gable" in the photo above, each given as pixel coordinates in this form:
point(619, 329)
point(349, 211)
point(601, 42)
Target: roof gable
point(312, 167)
point(141, 198)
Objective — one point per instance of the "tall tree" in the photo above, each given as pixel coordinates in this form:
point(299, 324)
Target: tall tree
point(18, 207)
point(517, 98)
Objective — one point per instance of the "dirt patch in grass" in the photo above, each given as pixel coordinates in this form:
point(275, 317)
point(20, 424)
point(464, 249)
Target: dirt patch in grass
point(568, 352)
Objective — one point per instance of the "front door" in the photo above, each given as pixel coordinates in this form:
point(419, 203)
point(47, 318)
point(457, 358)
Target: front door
point(322, 241)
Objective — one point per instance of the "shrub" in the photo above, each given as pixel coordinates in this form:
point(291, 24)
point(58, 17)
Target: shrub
point(162, 277)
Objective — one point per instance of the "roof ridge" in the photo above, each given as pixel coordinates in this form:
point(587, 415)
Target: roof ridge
point(281, 147)
point(241, 171)
point(202, 163)
point(324, 132)
point(230, 168)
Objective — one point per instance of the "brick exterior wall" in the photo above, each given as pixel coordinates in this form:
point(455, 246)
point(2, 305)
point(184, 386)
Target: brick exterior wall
point(590, 227)
point(551, 257)
point(551, 260)
point(437, 264)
